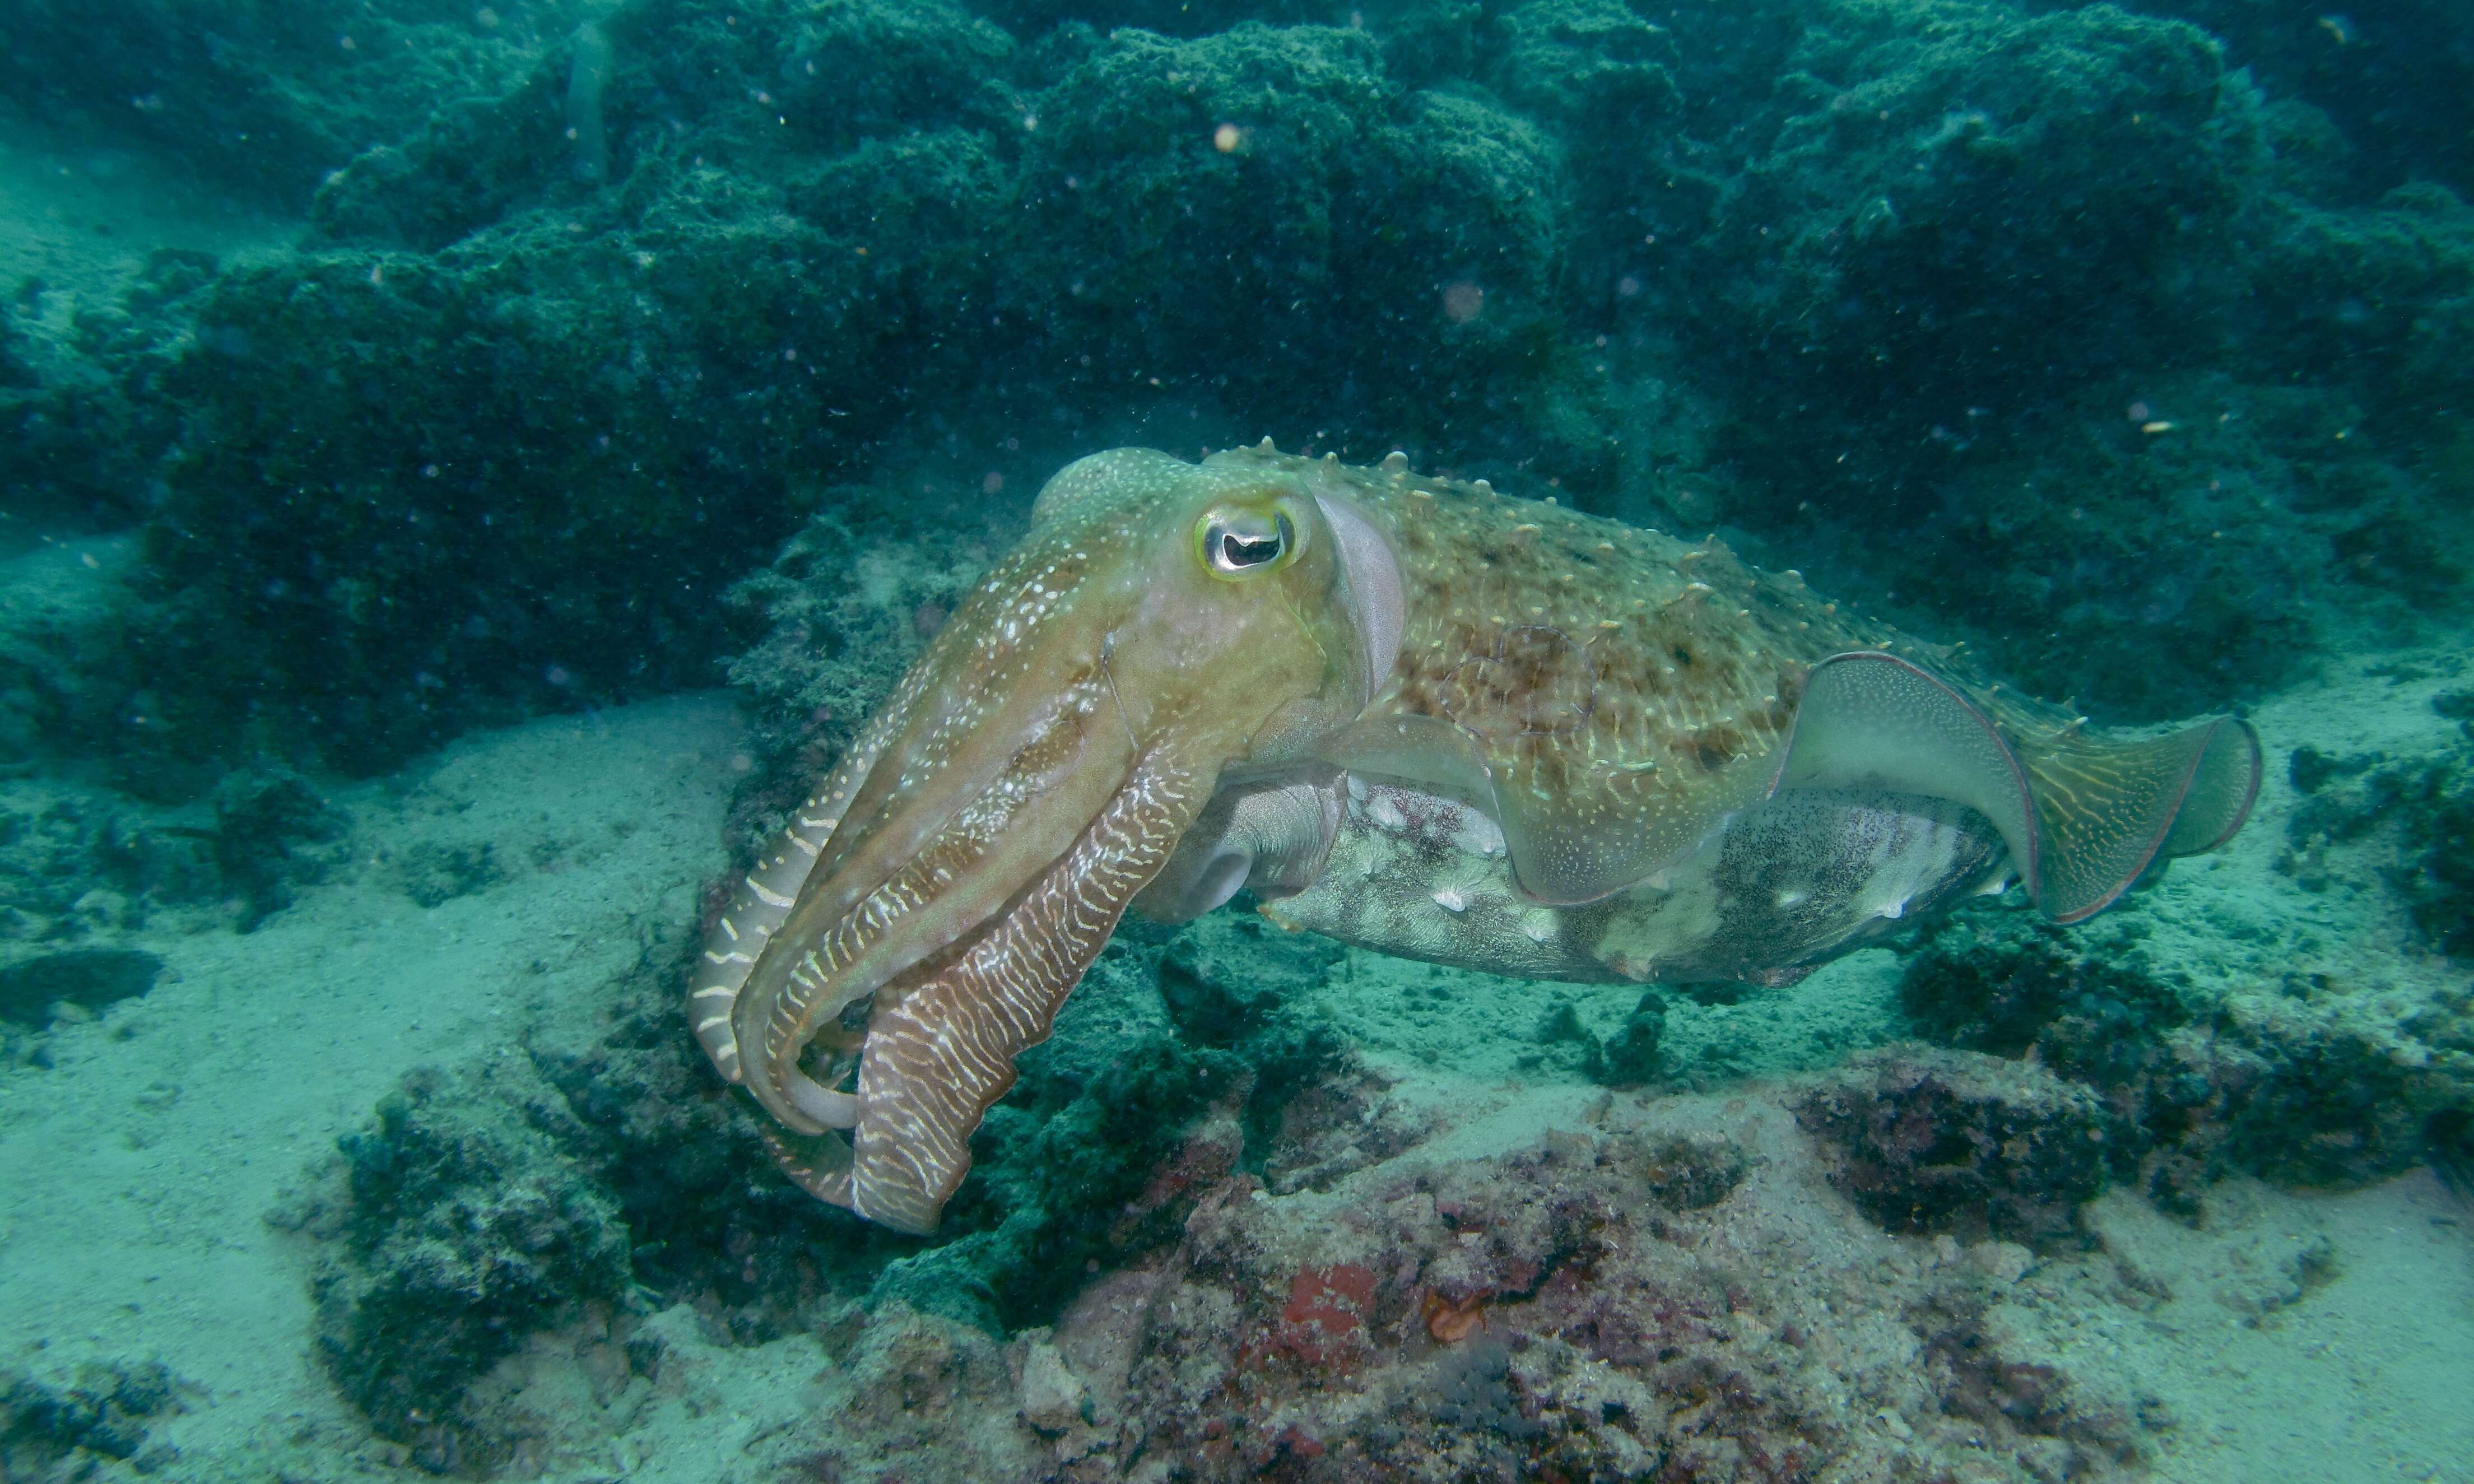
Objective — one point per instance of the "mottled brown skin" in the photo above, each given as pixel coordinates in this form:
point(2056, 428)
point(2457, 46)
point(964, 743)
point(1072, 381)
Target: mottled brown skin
point(1619, 687)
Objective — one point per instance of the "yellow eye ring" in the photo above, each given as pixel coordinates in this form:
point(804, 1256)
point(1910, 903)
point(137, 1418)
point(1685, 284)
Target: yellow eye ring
point(1237, 542)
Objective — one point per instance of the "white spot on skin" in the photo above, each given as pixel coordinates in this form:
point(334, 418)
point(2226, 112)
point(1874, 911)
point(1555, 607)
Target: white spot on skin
point(1451, 900)
point(1475, 833)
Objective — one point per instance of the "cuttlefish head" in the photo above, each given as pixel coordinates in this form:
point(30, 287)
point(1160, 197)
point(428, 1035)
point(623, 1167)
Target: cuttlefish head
point(926, 913)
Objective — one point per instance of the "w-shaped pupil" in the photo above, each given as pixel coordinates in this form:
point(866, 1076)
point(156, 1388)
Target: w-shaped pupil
point(1244, 552)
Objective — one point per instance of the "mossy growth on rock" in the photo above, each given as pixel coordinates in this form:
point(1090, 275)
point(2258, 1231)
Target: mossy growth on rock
point(2420, 808)
point(2106, 145)
point(495, 395)
point(84, 423)
point(1972, 1145)
point(2439, 877)
point(55, 1434)
point(2198, 1080)
point(266, 97)
point(1286, 171)
point(462, 1229)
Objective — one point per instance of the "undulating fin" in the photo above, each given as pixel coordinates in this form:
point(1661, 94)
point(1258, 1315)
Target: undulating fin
point(2082, 815)
point(2106, 808)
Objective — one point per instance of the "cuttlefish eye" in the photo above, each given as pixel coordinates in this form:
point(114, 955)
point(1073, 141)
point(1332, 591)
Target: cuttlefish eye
point(1236, 541)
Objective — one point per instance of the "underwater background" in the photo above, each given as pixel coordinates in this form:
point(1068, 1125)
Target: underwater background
point(465, 470)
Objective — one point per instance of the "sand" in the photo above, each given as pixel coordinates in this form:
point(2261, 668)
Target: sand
point(83, 218)
point(141, 1165)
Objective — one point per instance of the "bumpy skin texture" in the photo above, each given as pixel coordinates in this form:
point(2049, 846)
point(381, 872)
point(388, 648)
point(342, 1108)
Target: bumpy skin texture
point(1410, 713)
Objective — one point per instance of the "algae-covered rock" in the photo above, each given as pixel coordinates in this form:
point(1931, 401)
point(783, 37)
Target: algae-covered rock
point(56, 1433)
point(2388, 76)
point(1596, 63)
point(2201, 1079)
point(1602, 79)
point(1545, 1310)
point(766, 88)
point(2374, 295)
point(82, 420)
point(1970, 1146)
point(34, 987)
point(384, 545)
point(496, 395)
point(1277, 186)
point(465, 1227)
point(2419, 809)
point(1963, 201)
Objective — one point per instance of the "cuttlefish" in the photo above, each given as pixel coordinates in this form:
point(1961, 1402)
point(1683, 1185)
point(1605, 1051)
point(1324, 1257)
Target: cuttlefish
point(1410, 713)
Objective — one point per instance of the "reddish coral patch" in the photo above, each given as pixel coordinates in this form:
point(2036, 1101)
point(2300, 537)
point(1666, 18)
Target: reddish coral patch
point(1331, 1298)
point(1326, 1314)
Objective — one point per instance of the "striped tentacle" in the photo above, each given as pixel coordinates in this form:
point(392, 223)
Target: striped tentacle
point(936, 1061)
point(771, 888)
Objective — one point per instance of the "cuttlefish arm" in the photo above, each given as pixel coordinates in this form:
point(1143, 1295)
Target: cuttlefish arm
point(924, 916)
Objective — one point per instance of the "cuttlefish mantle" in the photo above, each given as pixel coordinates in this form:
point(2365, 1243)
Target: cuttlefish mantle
point(1411, 713)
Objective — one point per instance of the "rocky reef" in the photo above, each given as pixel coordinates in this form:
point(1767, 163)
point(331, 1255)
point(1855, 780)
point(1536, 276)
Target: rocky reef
point(626, 349)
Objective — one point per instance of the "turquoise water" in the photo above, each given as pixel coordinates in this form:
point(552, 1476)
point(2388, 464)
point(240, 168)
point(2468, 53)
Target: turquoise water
point(470, 475)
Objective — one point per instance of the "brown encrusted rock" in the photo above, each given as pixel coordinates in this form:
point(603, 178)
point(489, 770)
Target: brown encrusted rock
point(1640, 1293)
point(923, 1386)
point(1054, 1398)
point(2311, 1077)
point(1939, 1141)
point(1512, 1317)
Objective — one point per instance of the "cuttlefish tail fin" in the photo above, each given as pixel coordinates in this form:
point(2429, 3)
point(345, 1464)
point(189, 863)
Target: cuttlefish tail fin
point(2109, 809)
point(2083, 817)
